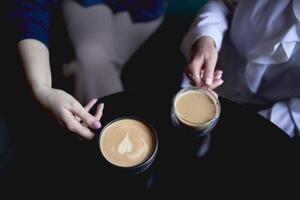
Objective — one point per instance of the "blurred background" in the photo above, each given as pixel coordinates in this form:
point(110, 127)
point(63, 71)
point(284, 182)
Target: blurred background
point(161, 56)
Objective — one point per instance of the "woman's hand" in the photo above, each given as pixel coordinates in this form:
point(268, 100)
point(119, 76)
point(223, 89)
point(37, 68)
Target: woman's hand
point(69, 112)
point(201, 67)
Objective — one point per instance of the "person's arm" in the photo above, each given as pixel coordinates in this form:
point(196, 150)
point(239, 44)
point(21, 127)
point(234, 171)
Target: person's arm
point(32, 21)
point(203, 41)
point(286, 115)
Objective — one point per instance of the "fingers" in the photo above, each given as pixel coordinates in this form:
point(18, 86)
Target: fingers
point(72, 123)
point(209, 69)
point(85, 116)
point(218, 74)
point(193, 70)
point(217, 77)
point(217, 80)
point(97, 115)
point(99, 111)
point(74, 126)
point(87, 107)
point(90, 104)
point(216, 83)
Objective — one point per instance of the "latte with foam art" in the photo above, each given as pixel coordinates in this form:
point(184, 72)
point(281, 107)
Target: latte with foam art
point(127, 142)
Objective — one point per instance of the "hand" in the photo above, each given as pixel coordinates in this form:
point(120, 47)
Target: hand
point(201, 67)
point(69, 112)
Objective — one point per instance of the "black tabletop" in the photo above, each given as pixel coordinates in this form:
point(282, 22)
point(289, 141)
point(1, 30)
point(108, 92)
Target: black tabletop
point(247, 155)
point(246, 152)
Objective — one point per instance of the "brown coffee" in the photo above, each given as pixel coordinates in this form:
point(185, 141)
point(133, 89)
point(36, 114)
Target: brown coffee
point(196, 108)
point(127, 142)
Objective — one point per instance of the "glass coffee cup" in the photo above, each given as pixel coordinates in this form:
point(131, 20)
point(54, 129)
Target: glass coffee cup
point(195, 112)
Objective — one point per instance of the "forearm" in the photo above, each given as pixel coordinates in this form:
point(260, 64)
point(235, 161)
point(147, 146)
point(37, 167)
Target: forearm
point(35, 58)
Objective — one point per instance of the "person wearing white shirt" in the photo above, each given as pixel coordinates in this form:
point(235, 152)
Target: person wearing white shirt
point(257, 45)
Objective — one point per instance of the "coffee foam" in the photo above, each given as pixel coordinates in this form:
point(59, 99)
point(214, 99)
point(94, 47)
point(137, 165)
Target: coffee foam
point(196, 107)
point(125, 146)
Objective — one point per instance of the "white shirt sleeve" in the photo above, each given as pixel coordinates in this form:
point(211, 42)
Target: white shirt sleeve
point(286, 115)
point(211, 21)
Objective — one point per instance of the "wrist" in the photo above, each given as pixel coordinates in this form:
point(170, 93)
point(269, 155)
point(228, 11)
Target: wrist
point(205, 41)
point(39, 89)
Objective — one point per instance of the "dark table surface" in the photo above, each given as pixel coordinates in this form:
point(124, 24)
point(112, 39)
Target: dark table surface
point(248, 155)
point(247, 152)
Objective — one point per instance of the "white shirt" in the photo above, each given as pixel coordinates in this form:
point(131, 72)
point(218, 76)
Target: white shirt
point(260, 54)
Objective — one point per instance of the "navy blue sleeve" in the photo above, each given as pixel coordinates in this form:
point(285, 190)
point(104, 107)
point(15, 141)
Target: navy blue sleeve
point(30, 19)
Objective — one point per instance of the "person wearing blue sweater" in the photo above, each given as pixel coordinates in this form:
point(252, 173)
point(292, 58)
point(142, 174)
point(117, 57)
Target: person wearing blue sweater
point(104, 34)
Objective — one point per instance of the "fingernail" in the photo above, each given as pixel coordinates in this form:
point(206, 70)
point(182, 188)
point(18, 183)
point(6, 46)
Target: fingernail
point(208, 81)
point(96, 125)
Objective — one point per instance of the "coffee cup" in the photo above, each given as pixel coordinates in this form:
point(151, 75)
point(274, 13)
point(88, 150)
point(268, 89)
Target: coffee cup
point(195, 110)
point(128, 145)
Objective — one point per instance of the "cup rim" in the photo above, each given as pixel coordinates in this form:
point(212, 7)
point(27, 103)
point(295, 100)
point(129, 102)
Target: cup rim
point(148, 160)
point(209, 93)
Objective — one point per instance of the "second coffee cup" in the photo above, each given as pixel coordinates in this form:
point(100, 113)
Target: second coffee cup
point(195, 110)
